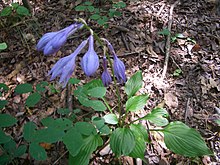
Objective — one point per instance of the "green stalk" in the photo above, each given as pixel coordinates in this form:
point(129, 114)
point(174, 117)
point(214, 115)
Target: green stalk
point(111, 66)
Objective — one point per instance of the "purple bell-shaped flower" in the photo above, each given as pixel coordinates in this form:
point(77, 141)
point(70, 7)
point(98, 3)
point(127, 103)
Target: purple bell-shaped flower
point(51, 42)
point(90, 61)
point(106, 77)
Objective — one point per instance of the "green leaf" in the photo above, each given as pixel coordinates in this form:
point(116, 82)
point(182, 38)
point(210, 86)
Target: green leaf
point(217, 121)
point(158, 117)
point(97, 92)
point(15, 5)
point(60, 124)
point(140, 129)
point(10, 147)
point(20, 151)
point(73, 141)
point(80, 8)
point(136, 103)
point(21, 10)
point(63, 111)
point(119, 5)
point(185, 141)
point(95, 16)
point(74, 81)
point(165, 32)
point(3, 46)
point(48, 135)
point(122, 141)
point(7, 120)
point(85, 128)
point(92, 84)
point(23, 88)
point(33, 99)
point(100, 125)
point(29, 131)
point(37, 152)
point(177, 72)
point(5, 159)
point(134, 84)
point(90, 144)
point(88, 3)
point(101, 21)
point(3, 103)
point(4, 138)
point(6, 11)
point(141, 136)
point(90, 8)
point(41, 86)
point(97, 105)
point(111, 119)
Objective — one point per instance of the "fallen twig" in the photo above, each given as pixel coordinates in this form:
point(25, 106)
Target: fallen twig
point(167, 55)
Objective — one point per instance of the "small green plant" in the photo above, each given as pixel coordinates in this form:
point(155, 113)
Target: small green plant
point(14, 13)
point(3, 46)
point(99, 14)
point(177, 72)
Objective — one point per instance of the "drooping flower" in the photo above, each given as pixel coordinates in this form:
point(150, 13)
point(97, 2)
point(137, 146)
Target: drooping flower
point(65, 66)
point(118, 65)
point(90, 61)
point(106, 77)
point(51, 42)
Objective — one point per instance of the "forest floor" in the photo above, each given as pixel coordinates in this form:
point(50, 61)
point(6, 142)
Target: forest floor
point(191, 96)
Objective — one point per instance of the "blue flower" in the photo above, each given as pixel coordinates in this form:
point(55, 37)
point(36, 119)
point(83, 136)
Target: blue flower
point(51, 42)
point(65, 66)
point(106, 77)
point(90, 61)
point(119, 66)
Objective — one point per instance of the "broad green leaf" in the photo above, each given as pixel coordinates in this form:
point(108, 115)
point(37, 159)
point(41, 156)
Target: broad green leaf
point(111, 119)
point(63, 111)
point(95, 16)
point(21, 10)
point(15, 5)
point(73, 141)
point(3, 103)
point(7, 120)
point(6, 11)
point(136, 103)
point(140, 129)
point(37, 152)
point(60, 124)
point(90, 144)
point(3, 46)
point(141, 136)
point(97, 105)
point(10, 147)
point(97, 92)
point(184, 140)
point(134, 84)
point(48, 135)
point(74, 81)
point(92, 84)
point(33, 99)
point(100, 125)
point(158, 117)
point(23, 88)
point(85, 128)
point(80, 8)
point(41, 86)
point(29, 131)
point(101, 21)
point(217, 121)
point(122, 141)
point(20, 151)
point(5, 159)
point(4, 138)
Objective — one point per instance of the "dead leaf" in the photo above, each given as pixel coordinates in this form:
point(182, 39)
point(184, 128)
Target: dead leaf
point(171, 100)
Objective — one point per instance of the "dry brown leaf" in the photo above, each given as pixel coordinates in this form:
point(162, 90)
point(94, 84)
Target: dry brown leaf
point(171, 100)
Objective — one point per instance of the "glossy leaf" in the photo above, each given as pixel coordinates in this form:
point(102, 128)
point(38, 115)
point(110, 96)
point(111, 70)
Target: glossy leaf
point(134, 84)
point(122, 141)
point(73, 141)
point(111, 119)
point(97, 92)
point(85, 128)
point(158, 117)
point(33, 99)
point(136, 103)
point(23, 88)
point(185, 141)
point(37, 152)
point(90, 144)
point(97, 105)
point(7, 120)
point(100, 125)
